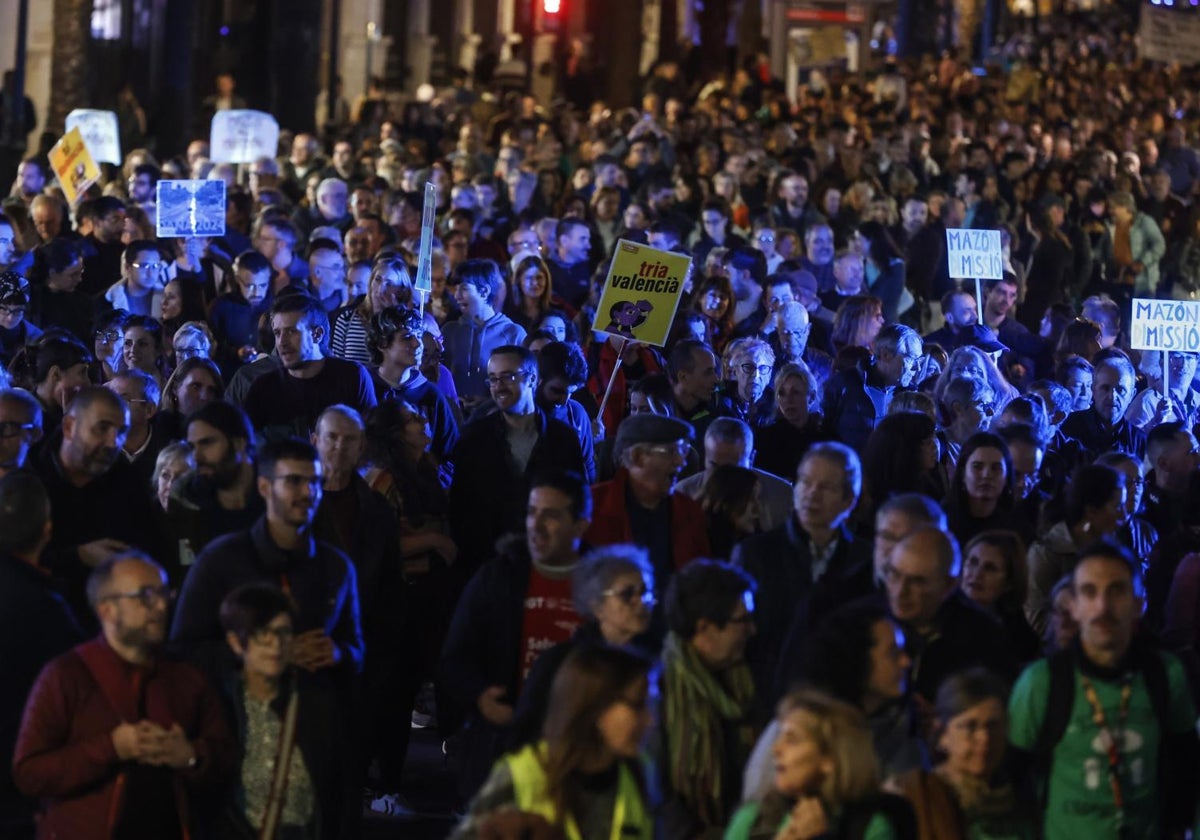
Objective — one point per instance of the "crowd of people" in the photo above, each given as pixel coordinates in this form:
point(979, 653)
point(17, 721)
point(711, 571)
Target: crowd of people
point(856, 554)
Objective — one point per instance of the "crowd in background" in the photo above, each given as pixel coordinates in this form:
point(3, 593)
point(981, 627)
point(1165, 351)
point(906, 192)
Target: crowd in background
point(860, 552)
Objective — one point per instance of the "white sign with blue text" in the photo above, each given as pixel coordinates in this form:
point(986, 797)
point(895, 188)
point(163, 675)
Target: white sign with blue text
point(1165, 325)
point(974, 254)
point(190, 208)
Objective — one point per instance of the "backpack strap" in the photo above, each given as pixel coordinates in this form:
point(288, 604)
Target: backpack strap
point(1058, 704)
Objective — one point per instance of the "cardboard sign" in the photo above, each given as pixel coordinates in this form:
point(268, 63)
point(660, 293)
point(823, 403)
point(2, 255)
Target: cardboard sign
point(100, 131)
point(1169, 35)
point(190, 208)
point(974, 254)
point(243, 136)
point(641, 293)
point(74, 165)
point(1165, 325)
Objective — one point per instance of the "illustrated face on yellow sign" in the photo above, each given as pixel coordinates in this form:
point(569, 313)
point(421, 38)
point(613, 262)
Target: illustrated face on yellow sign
point(73, 164)
point(641, 293)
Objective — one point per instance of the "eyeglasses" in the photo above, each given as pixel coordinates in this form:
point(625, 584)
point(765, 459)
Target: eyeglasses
point(750, 367)
point(12, 310)
point(188, 352)
point(765, 238)
point(106, 335)
point(667, 450)
point(264, 635)
point(11, 428)
point(509, 376)
point(152, 266)
point(147, 595)
point(630, 595)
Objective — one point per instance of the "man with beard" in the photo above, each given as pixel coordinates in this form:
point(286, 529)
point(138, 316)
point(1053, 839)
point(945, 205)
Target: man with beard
point(99, 504)
point(1103, 427)
point(278, 548)
point(288, 400)
point(1107, 724)
point(497, 454)
point(117, 738)
point(217, 497)
point(999, 303)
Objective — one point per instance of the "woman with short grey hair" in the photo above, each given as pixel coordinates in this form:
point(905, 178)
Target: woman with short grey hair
point(613, 589)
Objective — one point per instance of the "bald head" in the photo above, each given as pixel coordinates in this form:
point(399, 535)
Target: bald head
point(920, 573)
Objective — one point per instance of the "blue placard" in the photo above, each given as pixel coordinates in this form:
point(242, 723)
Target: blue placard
point(190, 208)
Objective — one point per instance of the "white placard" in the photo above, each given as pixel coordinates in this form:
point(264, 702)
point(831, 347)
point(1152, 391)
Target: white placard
point(243, 136)
point(974, 254)
point(1169, 35)
point(1165, 325)
point(190, 208)
point(100, 132)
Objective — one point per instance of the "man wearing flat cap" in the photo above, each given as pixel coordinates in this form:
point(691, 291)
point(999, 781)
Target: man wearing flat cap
point(640, 505)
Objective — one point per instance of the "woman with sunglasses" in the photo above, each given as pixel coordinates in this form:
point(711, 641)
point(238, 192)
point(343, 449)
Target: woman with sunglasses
point(613, 590)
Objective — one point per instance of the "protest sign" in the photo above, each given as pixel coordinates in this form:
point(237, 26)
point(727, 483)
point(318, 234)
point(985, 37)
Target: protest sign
point(424, 281)
point(243, 136)
point(1165, 325)
point(190, 208)
point(974, 254)
point(1169, 35)
point(74, 166)
point(100, 132)
point(641, 293)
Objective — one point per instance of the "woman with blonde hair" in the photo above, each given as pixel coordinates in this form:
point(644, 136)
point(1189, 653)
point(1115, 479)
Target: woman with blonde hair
point(826, 779)
point(391, 284)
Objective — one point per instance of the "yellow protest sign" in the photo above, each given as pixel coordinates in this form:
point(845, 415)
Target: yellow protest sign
point(641, 293)
point(73, 164)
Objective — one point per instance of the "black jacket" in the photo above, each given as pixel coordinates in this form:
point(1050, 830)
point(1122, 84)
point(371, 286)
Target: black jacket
point(1097, 438)
point(850, 413)
point(36, 625)
point(321, 581)
point(788, 602)
point(482, 649)
point(489, 496)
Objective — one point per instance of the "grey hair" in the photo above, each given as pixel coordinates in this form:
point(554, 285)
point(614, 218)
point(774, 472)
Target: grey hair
point(844, 457)
point(599, 569)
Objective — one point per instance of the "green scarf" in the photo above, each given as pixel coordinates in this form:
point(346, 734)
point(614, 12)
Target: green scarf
point(698, 702)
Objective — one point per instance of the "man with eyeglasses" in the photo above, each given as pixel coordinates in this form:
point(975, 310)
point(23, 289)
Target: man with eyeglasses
point(515, 607)
point(641, 505)
point(855, 400)
point(143, 277)
point(20, 428)
point(1103, 427)
point(36, 624)
point(327, 275)
point(102, 265)
point(943, 632)
point(109, 506)
point(748, 396)
point(15, 329)
point(498, 453)
point(279, 548)
point(117, 737)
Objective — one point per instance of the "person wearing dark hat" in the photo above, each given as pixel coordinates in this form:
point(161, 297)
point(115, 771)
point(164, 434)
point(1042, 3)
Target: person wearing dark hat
point(807, 291)
point(980, 337)
point(15, 330)
point(640, 505)
point(999, 302)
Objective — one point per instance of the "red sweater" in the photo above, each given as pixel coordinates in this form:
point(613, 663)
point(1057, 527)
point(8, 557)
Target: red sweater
point(65, 754)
